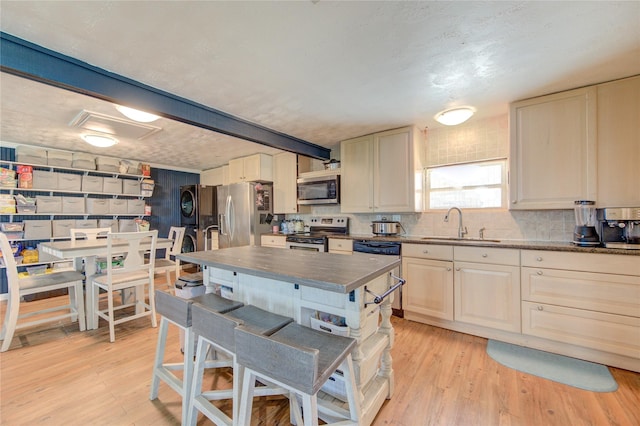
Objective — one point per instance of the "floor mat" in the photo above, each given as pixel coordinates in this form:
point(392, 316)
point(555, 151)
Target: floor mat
point(570, 371)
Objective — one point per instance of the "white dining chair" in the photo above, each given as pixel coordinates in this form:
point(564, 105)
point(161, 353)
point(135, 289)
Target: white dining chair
point(170, 262)
point(20, 287)
point(134, 273)
point(88, 234)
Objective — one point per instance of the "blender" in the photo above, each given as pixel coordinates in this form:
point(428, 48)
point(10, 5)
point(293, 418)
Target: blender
point(585, 234)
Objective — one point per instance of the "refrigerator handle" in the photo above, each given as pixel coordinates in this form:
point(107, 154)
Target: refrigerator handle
point(231, 217)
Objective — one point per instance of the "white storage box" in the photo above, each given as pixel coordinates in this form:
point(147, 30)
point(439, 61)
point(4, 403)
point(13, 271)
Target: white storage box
point(112, 185)
point(12, 227)
point(47, 204)
point(61, 227)
point(318, 322)
point(336, 386)
point(73, 205)
point(37, 229)
point(92, 183)
point(130, 187)
point(45, 180)
point(82, 160)
point(86, 223)
point(59, 158)
point(108, 223)
point(97, 205)
point(127, 225)
point(135, 207)
point(118, 206)
point(31, 155)
point(108, 164)
point(69, 182)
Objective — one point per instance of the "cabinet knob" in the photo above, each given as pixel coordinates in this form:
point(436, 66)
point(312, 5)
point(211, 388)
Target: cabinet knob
point(458, 268)
point(484, 255)
point(541, 308)
point(539, 272)
point(425, 251)
point(539, 259)
point(448, 268)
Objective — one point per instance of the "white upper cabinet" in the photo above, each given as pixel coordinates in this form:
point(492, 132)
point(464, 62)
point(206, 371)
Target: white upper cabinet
point(213, 177)
point(285, 174)
point(619, 143)
point(553, 147)
point(257, 167)
point(382, 172)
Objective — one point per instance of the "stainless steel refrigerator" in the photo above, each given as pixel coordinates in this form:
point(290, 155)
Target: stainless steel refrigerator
point(244, 213)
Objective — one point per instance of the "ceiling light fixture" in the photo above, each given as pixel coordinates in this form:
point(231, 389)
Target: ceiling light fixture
point(453, 116)
point(137, 115)
point(101, 141)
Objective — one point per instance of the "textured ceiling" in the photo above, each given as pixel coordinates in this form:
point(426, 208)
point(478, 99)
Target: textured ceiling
point(317, 70)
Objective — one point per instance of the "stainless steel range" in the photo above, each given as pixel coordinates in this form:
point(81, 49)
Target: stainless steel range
point(320, 229)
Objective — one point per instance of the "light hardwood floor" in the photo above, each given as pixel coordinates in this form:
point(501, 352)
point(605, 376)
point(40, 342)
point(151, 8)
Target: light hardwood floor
point(57, 375)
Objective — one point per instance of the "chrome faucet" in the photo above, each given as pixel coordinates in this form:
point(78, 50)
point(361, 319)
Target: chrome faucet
point(462, 230)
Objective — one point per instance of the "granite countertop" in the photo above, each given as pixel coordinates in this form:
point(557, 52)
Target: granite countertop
point(327, 271)
point(517, 244)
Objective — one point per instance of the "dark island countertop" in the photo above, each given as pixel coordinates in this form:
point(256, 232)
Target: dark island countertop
point(326, 271)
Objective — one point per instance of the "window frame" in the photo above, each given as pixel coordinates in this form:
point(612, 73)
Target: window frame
point(502, 161)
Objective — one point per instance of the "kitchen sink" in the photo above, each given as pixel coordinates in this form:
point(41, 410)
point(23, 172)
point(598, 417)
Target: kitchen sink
point(471, 240)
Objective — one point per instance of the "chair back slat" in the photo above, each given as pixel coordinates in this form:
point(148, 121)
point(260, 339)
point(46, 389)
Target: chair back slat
point(133, 253)
point(11, 266)
point(88, 233)
point(177, 235)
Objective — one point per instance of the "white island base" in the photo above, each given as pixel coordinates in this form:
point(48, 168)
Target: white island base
point(370, 325)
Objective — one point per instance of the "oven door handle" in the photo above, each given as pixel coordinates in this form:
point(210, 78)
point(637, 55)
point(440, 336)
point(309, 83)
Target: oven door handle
point(377, 299)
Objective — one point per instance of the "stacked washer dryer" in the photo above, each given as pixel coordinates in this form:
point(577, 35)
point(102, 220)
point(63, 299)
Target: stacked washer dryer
point(198, 214)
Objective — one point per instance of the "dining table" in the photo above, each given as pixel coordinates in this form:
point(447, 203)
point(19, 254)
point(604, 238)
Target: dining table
point(89, 251)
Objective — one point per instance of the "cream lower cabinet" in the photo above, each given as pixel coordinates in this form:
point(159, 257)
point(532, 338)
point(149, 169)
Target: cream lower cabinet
point(428, 291)
point(382, 172)
point(340, 246)
point(487, 287)
point(585, 299)
point(278, 241)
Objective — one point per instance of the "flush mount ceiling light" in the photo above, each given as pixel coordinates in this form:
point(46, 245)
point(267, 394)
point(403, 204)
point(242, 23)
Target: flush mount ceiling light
point(453, 116)
point(137, 115)
point(101, 141)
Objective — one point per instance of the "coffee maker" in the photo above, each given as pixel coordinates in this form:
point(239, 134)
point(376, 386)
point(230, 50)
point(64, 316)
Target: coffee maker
point(585, 234)
point(620, 227)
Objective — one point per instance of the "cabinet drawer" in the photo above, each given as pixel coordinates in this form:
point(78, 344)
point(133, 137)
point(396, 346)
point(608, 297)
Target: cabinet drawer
point(498, 256)
point(588, 262)
point(616, 294)
point(338, 244)
point(427, 251)
point(279, 241)
point(606, 332)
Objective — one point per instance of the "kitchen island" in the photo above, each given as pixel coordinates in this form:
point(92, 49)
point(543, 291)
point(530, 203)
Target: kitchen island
point(310, 286)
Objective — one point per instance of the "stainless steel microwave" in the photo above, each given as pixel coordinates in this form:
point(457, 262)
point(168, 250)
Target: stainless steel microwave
point(319, 190)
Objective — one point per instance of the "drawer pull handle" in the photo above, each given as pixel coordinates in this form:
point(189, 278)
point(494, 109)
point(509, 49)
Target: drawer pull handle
point(539, 272)
point(484, 255)
point(425, 251)
point(541, 308)
point(539, 259)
